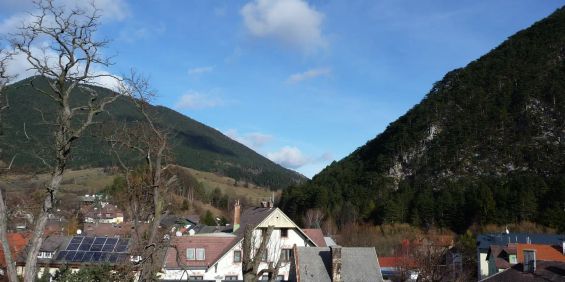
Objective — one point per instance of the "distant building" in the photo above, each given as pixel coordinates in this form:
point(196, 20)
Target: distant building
point(485, 241)
point(105, 213)
point(543, 271)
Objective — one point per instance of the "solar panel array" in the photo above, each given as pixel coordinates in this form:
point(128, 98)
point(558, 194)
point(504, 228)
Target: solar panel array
point(94, 249)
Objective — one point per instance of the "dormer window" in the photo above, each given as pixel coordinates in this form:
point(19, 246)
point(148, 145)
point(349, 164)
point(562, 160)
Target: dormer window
point(195, 254)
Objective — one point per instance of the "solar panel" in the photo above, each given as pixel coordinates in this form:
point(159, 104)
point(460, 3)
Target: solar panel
point(85, 246)
point(96, 256)
point(76, 240)
point(88, 240)
point(108, 247)
point(72, 247)
point(113, 258)
point(99, 240)
point(61, 255)
point(78, 256)
point(112, 241)
point(96, 247)
point(70, 255)
point(103, 256)
point(121, 248)
point(87, 256)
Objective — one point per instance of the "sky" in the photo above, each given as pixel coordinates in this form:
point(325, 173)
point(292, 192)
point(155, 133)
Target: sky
point(303, 83)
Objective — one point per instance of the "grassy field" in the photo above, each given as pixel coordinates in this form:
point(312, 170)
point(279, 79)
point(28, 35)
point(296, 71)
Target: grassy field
point(229, 186)
point(90, 181)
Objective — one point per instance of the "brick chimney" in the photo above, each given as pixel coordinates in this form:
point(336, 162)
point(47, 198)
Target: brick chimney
point(236, 215)
point(336, 263)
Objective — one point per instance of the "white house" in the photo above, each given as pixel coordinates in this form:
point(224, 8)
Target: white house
point(218, 256)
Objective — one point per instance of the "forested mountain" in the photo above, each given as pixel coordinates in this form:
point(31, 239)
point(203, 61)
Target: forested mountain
point(193, 144)
point(485, 145)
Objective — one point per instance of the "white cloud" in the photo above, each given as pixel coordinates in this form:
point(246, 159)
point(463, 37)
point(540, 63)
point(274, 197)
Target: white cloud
point(290, 157)
point(200, 70)
point(253, 140)
point(19, 67)
point(292, 22)
point(195, 100)
point(309, 74)
point(110, 10)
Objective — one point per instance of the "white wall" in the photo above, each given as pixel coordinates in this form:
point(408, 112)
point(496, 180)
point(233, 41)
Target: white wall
point(227, 267)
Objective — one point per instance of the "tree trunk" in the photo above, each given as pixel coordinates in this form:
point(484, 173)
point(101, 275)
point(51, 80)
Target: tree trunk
point(10, 265)
point(37, 237)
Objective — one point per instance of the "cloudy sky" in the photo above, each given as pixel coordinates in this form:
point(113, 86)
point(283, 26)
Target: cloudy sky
point(301, 82)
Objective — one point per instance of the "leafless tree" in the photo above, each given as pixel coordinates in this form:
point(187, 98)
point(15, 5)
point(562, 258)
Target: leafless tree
point(313, 218)
point(255, 249)
point(152, 179)
point(68, 54)
point(11, 273)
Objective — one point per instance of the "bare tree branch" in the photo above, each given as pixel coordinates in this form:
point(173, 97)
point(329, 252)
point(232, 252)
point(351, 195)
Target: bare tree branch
point(66, 63)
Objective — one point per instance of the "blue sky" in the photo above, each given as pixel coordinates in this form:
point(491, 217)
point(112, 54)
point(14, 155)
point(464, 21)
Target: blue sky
point(301, 82)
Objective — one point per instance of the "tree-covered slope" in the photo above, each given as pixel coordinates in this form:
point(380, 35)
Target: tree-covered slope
point(193, 144)
point(486, 144)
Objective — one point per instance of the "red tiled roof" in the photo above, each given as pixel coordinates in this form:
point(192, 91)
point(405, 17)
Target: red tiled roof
point(396, 262)
point(316, 235)
point(17, 242)
point(543, 252)
point(214, 248)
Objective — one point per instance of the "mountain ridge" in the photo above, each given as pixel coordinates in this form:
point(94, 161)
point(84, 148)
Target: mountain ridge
point(194, 144)
point(499, 122)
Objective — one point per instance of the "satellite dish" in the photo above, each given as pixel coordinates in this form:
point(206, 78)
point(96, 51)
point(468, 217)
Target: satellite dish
point(79, 231)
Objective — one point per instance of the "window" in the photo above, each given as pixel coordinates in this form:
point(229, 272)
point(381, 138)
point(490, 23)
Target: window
point(280, 278)
point(200, 254)
point(231, 278)
point(192, 278)
point(265, 255)
point(236, 256)
point(286, 254)
point(512, 259)
point(284, 232)
point(190, 254)
point(264, 278)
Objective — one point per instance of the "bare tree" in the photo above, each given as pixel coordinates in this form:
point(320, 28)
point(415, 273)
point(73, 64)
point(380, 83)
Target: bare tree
point(69, 51)
point(313, 218)
point(151, 180)
point(5, 104)
point(255, 250)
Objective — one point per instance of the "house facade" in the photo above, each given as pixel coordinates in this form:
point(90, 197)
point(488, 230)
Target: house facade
point(218, 256)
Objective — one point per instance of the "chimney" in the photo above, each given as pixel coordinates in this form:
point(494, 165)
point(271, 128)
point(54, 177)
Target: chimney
point(236, 215)
point(336, 263)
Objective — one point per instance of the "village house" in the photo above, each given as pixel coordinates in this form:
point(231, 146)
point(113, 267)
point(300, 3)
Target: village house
point(502, 258)
point(77, 252)
point(17, 243)
point(103, 213)
point(218, 256)
point(486, 241)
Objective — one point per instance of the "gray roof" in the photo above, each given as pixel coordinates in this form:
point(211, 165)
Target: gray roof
point(358, 264)
point(484, 241)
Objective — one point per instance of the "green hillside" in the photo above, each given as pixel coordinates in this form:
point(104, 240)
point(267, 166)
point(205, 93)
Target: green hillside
point(486, 145)
point(194, 144)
